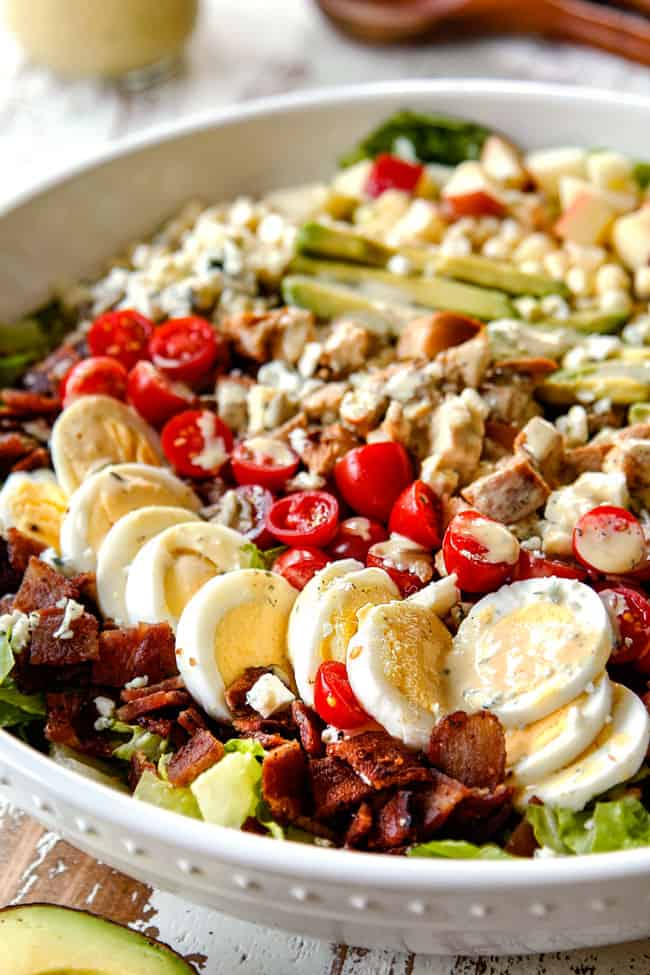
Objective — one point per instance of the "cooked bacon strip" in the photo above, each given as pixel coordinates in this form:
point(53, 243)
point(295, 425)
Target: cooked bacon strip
point(191, 721)
point(269, 732)
point(71, 716)
point(146, 650)
point(522, 842)
point(393, 823)
point(482, 813)
point(310, 728)
point(380, 760)
point(14, 445)
point(153, 702)
point(20, 549)
point(284, 781)
point(128, 694)
point(236, 694)
point(200, 753)
point(43, 587)
point(57, 651)
point(164, 727)
point(335, 786)
point(36, 459)
point(433, 806)
point(26, 404)
point(470, 748)
point(360, 826)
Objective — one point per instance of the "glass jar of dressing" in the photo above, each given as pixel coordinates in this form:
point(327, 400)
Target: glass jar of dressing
point(134, 40)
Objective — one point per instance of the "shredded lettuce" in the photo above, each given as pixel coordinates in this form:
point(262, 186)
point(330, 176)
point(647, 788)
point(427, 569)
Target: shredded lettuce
point(140, 740)
point(155, 791)
point(7, 658)
point(619, 824)
point(458, 850)
point(262, 559)
point(229, 792)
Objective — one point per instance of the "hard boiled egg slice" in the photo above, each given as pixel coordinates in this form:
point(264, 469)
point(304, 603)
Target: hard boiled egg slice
point(95, 431)
point(235, 621)
point(395, 664)
point(528, 649)
point(173, 565)
point(549, 744)
point(107, 496)
point(324, 617)
point(33, 503)
point(120, 547)
point(616, 755)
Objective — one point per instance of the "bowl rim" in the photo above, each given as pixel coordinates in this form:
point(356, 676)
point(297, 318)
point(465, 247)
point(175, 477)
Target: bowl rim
point(247, 850)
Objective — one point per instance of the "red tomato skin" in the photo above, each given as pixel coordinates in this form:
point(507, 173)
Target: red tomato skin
point(182, 439)
point(465, 556)
point(152, 394)
point(307, 518)
point(392, 173)
point(271, 476)
point(98, 375)
point(408, 583)
point(299, 565)
point(417, 514)
point(355, 537)
point(477, 204)
point(122, 335)
point(534, 566)
point(187, 349)
point(620, 519)
point(334, 699)
point(633, 623)
point(371, 478)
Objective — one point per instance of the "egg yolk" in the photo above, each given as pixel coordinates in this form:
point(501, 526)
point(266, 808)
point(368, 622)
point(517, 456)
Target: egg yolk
point(120, 495)
point(185, 575)
point(249, 632)
point(414, 647)
point(342, 622)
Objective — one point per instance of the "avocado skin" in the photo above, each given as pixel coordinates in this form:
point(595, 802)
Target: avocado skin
point(488, 273)
point(44, 939)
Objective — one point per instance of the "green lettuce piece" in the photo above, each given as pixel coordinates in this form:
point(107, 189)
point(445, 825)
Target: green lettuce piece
point(641, 174)
point(229, 792)
point(620, 824)
point(7, 658)
point(244, 746)
point(155, 791)
point(17, 710)
point(458, 850)
point(140, 740)
point(90, 768)
point(435, 139)
point(262, 559)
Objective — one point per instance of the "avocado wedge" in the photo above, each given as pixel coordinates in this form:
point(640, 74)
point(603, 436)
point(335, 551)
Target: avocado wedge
point(436, 293)
point(621, 382)
point(638, 413)
point(483, 271)
point(343, 244)
point(43, 939)
point(327, 300)
point(595, 322)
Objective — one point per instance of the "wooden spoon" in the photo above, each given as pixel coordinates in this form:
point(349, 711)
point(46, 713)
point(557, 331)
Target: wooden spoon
point(578, 21)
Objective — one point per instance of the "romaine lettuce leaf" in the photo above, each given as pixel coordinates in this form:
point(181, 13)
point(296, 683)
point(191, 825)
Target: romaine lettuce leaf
point(458, 850)
point(229, 792)
point(140, 740)
point(621, 824)
point(153, 790)
point(17, 709)
point(262, 558)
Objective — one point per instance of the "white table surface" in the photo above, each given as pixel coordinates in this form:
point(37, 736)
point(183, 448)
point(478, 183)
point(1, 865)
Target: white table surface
point(244, 49)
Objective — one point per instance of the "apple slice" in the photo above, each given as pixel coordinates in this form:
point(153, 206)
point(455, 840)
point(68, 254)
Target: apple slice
point(631, 238)
point(587, 220)
point(548, 166)
point(502, 162)
point(570, 189)
point(469, 193)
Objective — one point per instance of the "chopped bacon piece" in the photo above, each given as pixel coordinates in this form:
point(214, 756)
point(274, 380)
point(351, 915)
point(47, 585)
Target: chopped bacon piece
point(43, 587)
point(360, 826)
point(269, 732)
point(393, 823)
point(335, 786)
point(522, 842)
point(38, 458)
point(200, 753)
point(9, 577)
point(380, 760)
point(135, 693)
point(284, 781)
point(139, 765)
point(20, 549)
point(433, 806)
point(71, 716)
point(482, 813)
point(146, 650)
point(46, 648)
point(236, 693)
point(310, 728)
point(191, 721)
point(153, 702)
point(13, 447)
point(26, 404)
point(470, 748)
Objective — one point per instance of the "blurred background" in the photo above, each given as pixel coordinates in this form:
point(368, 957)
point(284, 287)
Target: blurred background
point(242, 49)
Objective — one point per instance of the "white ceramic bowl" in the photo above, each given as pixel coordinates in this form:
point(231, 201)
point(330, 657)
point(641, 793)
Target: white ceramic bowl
point(66, 229)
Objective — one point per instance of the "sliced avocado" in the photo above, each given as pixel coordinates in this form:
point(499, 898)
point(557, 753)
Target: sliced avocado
point(43, 939)
point(587, 321)
point(330, 241)
point(623, 383)
point(638, 413)
point(430, 292)
point(501, 275)
point(327, 300)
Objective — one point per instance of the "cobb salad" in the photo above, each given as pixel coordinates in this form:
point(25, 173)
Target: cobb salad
point(325, 515)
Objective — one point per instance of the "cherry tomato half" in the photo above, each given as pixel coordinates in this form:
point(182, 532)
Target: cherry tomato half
point(392, 173)
point(482, 552)
point(155, 397)
point(196, 443)
point(371, 478)
point(417, 514)
point(354, 538)
point(300, 565)
point(265, 461)
point(245, 509)
point(532, 565)
point(99, 375)
point(411, 569)
point(629, 610)
point(609, 539)
point(306, 518)
point(187, 349)
point(334, 699)
point(476, 204)
point(122, 335)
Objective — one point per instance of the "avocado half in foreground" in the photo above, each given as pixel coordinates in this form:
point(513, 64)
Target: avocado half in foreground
point(42, 939)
